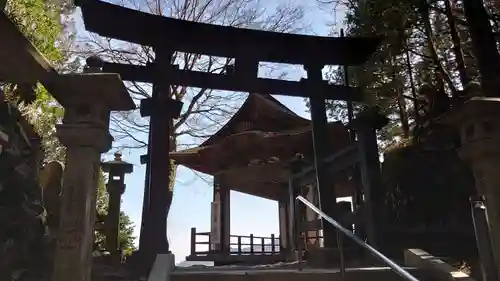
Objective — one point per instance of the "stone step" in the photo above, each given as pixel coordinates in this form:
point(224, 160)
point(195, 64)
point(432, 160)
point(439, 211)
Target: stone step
point(306, 274)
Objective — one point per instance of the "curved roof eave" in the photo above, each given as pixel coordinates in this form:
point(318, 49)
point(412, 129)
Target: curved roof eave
point(269, 99)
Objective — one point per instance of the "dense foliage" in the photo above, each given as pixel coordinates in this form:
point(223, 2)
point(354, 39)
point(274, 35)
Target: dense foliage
point(426, 44)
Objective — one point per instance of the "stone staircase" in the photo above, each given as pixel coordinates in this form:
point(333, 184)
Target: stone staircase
point(420, 264)
point(305, 274)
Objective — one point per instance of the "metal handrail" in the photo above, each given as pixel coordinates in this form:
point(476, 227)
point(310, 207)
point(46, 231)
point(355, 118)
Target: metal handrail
point(398, 269)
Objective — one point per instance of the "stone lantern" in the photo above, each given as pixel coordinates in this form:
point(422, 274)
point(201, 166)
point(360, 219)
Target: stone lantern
point(479, 130)
point(116, 170)
point(88, 100)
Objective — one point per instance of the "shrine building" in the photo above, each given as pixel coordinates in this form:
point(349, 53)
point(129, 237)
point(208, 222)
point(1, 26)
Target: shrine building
point(253, 153)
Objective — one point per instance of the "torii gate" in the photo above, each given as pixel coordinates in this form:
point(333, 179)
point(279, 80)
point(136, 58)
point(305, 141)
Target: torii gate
point(248, 48)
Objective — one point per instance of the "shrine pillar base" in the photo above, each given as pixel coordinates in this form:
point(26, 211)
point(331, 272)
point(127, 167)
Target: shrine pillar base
point(284, 214)
point(220, 232)
point(477, 122)
point(84, 145)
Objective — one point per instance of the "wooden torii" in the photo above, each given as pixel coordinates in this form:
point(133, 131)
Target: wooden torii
point(247, 48)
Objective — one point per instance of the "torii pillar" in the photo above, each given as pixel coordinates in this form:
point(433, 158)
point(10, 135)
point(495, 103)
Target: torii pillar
point(117, 169)
point(366, 125)
point(162, 110)
point(85, 134)
point(325, 188)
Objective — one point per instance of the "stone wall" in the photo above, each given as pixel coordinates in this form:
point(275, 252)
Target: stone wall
point(22, 215)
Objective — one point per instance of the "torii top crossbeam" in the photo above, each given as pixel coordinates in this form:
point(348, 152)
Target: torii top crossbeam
point(142, 28)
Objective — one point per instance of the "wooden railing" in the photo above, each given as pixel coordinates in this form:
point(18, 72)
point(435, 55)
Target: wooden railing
point(243, 245)
point(195, 242)
point(256, 245)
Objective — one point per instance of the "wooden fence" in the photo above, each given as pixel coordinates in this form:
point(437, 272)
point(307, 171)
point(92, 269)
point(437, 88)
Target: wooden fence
point(243, 245)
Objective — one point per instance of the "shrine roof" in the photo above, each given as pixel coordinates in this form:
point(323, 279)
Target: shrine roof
point(256, 162)
point(254, 146)
point(134, 26)
point(259, 112)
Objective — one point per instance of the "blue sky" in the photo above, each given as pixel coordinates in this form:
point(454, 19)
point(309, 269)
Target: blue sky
point(192, 196)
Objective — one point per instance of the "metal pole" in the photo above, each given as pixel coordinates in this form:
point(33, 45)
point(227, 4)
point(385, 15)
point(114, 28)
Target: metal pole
point(398, 269)
point(484, 246)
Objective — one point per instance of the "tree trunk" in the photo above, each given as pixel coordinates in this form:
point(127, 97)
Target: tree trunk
point(172, 171)
point(457, 49)
point(412, 86)
point(403, 115)
point(484, 45)
point(424, 12)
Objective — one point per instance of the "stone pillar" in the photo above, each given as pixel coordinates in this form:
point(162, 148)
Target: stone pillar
point(477, 122)
point(222, 202)
point(366, 124)
point(85, 135)
point(116, 170)
point(84, 144)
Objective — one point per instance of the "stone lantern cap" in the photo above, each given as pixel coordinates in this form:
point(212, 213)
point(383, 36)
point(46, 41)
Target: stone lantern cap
point(90, 88)
point(20, 61)
point(370, 118)
point(117, 165)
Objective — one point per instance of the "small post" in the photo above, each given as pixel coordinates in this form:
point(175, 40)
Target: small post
point(251, 244)
point(484, 246)
point(262, 245)
point(239, 245)
point(273, 244)
point(193, 241)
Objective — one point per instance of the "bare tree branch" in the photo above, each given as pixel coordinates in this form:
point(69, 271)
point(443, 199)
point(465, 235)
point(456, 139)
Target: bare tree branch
point(205, 110)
